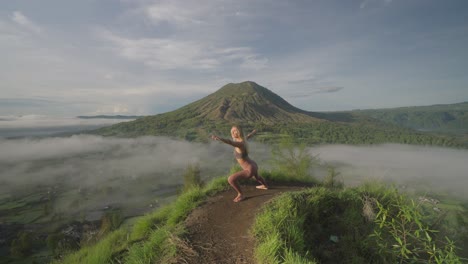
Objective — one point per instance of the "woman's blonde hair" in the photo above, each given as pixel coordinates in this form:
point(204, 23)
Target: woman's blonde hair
point(241, 134)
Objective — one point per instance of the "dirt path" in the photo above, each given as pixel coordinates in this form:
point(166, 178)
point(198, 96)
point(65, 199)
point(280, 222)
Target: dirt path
point(219, 229)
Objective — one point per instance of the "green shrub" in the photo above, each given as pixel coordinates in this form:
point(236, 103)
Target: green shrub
point(192, 177)
point(293, 160)
point(331, 180)
point(402, 236)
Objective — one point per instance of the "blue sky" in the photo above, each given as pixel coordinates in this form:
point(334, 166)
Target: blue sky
point(67, 58)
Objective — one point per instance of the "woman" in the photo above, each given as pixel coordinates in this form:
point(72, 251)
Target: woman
point(249, 166)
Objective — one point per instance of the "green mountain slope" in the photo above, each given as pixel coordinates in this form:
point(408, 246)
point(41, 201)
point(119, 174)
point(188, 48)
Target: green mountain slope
point(452, 118)
point(254, 106)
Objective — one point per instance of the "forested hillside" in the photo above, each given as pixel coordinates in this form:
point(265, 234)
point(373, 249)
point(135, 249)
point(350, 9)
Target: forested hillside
point(452, 118)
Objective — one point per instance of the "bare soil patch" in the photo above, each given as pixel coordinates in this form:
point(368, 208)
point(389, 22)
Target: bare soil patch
point(219, 230)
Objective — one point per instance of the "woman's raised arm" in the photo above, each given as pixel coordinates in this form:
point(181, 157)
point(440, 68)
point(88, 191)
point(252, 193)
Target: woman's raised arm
point(251, 134)
point(228, 141)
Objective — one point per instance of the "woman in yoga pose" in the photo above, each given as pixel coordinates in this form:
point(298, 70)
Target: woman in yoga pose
point(249, 166)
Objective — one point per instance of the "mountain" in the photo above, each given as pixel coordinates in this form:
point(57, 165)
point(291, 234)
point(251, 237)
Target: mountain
point(254, 106)
point(448, 118)
point(243, 102)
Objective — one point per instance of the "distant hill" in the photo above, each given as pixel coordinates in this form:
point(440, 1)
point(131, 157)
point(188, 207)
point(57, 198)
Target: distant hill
point(448, 118)
point(254, 106)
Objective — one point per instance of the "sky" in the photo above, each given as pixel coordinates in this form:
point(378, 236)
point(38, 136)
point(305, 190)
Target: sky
point(142, 57)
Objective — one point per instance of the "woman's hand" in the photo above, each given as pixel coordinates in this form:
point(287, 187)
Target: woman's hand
point(214, 137)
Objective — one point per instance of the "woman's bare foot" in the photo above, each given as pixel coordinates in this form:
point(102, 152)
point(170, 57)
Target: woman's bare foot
point(239, 198)
point(261, 187)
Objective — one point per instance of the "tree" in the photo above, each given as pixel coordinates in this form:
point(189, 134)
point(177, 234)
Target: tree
point(293, 160)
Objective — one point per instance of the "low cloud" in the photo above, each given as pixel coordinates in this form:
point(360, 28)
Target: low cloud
point(88, 159)
point(89, 173)
point(136, 170)
point(431, 169)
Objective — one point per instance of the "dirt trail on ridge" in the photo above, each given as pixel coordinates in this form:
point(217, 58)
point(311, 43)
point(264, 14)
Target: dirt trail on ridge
point(219, 230)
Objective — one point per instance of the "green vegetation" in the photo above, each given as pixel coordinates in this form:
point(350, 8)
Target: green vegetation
point(293, 161)
point(452, 118)
point(368, 224)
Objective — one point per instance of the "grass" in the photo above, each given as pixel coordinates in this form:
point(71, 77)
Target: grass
point(102, 251)
point(321, 225)
point(295, 227)
point(154, 238)
point(157, 236)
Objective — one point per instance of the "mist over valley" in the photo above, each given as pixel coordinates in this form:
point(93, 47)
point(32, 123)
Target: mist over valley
point(94, 172)
point(424, 169)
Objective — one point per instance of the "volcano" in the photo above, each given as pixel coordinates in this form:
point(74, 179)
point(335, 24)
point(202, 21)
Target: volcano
point(245, 102)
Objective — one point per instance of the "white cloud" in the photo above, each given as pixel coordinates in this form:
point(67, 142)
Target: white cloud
point(311, 92)
point(168, 54)
point(193, 14)
point(114, 109)
point(366, 3)
point(172, 13)
point(328, 89)
point(22, 20)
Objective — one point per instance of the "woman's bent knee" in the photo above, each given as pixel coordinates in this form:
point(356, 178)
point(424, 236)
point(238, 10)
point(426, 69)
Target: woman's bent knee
point(231, 179)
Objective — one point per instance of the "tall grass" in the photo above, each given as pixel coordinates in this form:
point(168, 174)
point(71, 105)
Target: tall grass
point(279, 233)
point(356, 225)
point(154, 249)
point(150, 221)
point(103, 251)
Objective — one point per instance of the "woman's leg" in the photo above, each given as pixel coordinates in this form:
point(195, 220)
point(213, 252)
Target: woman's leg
point(258, 178)
point(233, 181)
point(262, 181)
